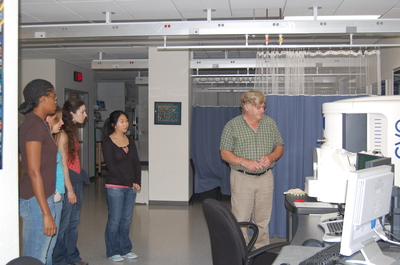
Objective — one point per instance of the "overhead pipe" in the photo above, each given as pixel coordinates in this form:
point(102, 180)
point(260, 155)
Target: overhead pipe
point(323, 46)
point(204, 28)
point(249, 47)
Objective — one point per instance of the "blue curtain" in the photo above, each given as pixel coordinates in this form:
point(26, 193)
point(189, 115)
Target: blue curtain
point(299, 119)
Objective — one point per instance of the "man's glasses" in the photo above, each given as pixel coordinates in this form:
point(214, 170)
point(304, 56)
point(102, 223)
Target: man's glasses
point(264, 108)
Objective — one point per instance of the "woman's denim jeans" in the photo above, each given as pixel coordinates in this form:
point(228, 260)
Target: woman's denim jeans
point(65, 251)
point(57, 219)
point(36, 244)
point(121, 202)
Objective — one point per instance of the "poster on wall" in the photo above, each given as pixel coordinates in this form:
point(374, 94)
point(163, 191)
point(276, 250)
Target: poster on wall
point(1, 82)
point(167, 113)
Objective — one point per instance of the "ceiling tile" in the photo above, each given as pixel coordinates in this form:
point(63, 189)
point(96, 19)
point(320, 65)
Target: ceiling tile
point(393, 13)
point(240, 4)
point(191, 9)
point(47, 12)
point(99, 2)
point(352, 7)
point(93, 11)
point(38, 1)
point(150, 9)
point(305, 7)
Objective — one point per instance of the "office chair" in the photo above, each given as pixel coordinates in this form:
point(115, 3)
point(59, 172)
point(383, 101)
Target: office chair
point(228, 246)
point(25, 260)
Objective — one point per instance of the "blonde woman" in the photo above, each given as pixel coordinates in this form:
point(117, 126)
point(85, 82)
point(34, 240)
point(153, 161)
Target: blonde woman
point(62, 175)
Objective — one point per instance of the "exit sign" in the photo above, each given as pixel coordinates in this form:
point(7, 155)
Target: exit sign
point(78, 77)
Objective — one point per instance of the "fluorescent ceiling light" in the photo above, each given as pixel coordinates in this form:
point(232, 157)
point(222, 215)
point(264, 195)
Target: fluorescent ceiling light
point(366, 17)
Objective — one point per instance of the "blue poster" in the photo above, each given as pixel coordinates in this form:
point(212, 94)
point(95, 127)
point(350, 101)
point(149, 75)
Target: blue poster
point(1, 83)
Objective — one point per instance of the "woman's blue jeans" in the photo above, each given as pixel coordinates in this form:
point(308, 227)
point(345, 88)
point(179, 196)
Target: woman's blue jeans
point(58, 206)
point(121, 202)
point(36, 244)
point(65, 251)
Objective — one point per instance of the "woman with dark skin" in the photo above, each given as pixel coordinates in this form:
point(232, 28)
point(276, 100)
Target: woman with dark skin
point(38, 157)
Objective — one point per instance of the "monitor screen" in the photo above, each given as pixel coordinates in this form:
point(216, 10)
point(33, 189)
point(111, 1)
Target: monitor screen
point(368, 198)
point(363, 158)
point(379, 162)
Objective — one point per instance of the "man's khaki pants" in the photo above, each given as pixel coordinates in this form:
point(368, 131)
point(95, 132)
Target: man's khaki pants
point(251, 199)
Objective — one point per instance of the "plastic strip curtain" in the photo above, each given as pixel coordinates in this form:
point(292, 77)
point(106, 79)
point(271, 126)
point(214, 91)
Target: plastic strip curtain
point(318, 73)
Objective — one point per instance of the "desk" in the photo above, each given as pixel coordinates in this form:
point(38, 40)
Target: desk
point(308, 228)
point(293, 212)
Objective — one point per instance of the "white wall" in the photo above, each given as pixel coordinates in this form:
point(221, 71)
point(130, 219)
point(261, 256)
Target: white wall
point(36, 69)
point(169, 80)
point(9, 216)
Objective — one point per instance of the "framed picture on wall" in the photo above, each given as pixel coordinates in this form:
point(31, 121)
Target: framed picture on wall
point(167, 113)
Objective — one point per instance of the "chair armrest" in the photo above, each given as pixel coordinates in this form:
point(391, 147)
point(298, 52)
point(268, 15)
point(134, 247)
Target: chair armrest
point(253, 239)
point(266, 248)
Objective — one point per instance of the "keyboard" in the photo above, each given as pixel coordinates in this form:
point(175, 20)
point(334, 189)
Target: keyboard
point(327, 256)
point(333, 228)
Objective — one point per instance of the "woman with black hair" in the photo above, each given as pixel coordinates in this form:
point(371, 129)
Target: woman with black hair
point(66, 251)
point(38, 156)
point(122, 182)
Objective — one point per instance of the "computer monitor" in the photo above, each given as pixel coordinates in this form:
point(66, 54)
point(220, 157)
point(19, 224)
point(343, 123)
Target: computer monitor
point(368, 198)
point(331, 168)
point(367, 160)
point(379, 162)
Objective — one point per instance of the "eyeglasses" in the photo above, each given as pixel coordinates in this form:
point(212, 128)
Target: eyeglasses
point(264, 108)
point(54, 97)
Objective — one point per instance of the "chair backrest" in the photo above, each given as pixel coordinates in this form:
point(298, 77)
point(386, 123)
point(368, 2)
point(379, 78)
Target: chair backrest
point(25, 260)
point(228, 246)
